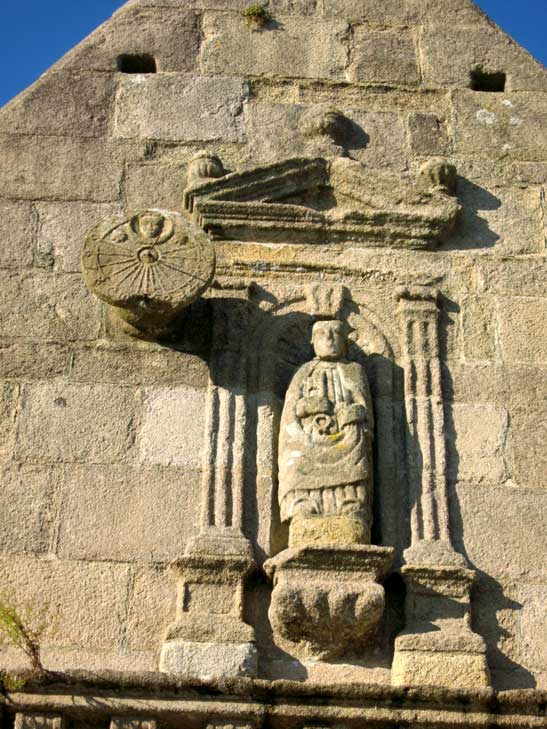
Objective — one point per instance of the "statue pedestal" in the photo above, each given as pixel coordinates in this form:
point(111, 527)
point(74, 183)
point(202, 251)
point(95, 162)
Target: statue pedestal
point(326, 598)
point(209, 639)
point(438, 647)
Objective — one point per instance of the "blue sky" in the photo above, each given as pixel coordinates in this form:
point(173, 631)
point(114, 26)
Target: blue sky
point(36, 33)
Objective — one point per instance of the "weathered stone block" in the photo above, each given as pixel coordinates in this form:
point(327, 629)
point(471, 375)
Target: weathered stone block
point(441, 12)
point(488, 125)
point(151, 607)
point(386, 139)
point(496, 618)
point(17, 233)
point(478, 327)
point(288, 48)
point(383, 57)
point(84, 602)
point(113, 513)
point(528, 437)
point(48, 307)
point(451, 52)
point(8, 401)
point(40, 168)
point(513, 276)
point(85, 99)
point(473, 382)
point(30, 720)
point(141, 30)
point(172, 427)
point(377, 139)
point(522, 327)
point(478, 443)
point(428, 135)
point(28, 509)
point(193, 114)
point(533, 625)
point(150, 366)
point(387, 13)
point(508, 220)
point(32, 361)
point(155, 185)
point(71, 423)
point(488, 526)
point(62, 228)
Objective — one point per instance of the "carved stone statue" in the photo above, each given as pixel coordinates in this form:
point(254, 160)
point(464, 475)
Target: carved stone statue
point(325, 453)
point(326, 600)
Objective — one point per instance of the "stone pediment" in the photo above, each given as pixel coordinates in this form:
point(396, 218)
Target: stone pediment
point(324, 201)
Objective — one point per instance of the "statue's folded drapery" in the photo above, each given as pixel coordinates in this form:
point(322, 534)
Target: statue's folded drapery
point(325, 441)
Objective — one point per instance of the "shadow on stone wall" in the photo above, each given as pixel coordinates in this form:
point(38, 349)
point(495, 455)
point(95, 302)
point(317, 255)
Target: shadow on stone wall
point(472, 230)
point(488, 598)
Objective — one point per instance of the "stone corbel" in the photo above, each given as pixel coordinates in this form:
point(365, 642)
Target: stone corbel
point(437, 645)
point(148, 267)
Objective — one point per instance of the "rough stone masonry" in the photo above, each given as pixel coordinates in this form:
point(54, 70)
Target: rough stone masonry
point(273, 371)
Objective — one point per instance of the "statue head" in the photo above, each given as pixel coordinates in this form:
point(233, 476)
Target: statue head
point(151, 224)
point(329, 340)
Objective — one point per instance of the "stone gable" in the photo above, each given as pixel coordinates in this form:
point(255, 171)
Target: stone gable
point(379, 164)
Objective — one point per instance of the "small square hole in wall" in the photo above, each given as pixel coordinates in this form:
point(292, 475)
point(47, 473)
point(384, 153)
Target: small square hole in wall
point(136, 63)
point(490, 81)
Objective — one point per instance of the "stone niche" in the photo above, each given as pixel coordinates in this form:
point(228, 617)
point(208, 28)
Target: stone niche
point(324, 420)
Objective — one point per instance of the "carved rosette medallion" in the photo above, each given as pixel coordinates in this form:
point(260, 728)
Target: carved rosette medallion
point(149, 266)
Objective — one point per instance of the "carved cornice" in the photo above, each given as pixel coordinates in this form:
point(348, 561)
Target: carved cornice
point(102, 696)
point(319, 201)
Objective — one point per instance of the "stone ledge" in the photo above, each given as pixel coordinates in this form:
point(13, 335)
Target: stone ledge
point(151, 695)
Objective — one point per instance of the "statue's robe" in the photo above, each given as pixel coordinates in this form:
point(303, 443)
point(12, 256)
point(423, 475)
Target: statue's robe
point(321, 451)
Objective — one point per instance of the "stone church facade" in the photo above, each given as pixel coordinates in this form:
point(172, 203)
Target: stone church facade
point(273, 370)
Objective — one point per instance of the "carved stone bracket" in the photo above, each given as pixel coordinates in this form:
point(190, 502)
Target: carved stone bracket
point(148, 267)
point(438, 645)
point(326, 599)
point(293, 202)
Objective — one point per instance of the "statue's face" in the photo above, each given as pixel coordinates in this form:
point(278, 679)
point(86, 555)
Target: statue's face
point(329, 340)
point(151, 225)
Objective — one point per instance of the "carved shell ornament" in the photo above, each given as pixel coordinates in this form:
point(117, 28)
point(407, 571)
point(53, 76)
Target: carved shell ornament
point(152, 264)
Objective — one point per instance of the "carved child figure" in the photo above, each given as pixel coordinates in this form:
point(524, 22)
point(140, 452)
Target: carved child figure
point(325, 446)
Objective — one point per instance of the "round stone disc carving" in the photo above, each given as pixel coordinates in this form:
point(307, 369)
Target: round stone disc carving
point(155, 261)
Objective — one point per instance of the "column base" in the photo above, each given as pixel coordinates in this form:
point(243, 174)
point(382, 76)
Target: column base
point(209, 661)
point(438, 659)
point(210, 639)
point(438, 647)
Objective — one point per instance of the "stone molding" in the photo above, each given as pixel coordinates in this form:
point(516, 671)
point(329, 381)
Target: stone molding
point(273, 204)
point(100, 697)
